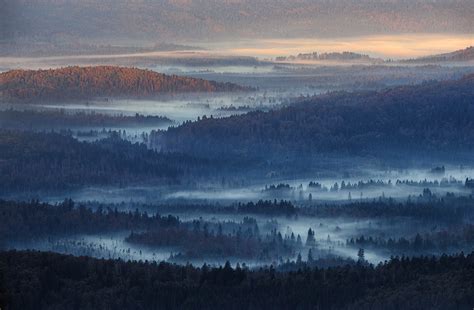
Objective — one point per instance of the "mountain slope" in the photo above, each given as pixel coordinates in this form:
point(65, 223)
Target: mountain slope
point(466, 54)
point(101, 81)
point(436, 115)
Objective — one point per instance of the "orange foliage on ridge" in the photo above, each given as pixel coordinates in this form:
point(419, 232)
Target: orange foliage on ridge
point(100, 81)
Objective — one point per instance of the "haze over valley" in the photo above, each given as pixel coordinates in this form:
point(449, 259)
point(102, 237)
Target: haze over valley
point(236, 154)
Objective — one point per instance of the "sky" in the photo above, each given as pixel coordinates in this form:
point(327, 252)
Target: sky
point(383, 46)
point(264, 28)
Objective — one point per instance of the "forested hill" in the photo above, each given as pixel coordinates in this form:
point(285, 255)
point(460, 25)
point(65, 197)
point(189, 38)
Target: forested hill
point(466, 54)
point(51, 161)
point(40, 280)
point(100, 81)
point(430, 116)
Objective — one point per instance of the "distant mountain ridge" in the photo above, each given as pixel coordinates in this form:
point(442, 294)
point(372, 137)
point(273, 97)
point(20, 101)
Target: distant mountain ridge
point(331, 56)
point(46, 49)
point(73, 83)
point(466, 54)
point(463, 55)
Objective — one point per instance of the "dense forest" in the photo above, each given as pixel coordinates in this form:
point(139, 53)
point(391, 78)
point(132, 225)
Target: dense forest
point(72, 83)
point(36, 280)
point(432, 116)
point(246, 244)
point(32, 161)
point(190, 239)
point(268, 207)
point(27, 220)
point(59, 119)
point(448, 209)
point(447, 225)
point(454, 239)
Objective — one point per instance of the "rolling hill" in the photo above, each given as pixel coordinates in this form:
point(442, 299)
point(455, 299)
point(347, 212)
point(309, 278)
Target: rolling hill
point(464, 55)
point(73, 83)
point(430, 116)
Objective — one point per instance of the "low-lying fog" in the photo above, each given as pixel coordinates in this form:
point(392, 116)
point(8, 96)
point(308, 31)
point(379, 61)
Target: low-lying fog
point(366, 186)
point(278, 84)
point(179, 109)
point(331, 235)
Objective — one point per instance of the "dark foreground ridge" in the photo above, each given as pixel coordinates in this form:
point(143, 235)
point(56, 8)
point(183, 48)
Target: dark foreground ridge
point(73, 83)
point(39, 280)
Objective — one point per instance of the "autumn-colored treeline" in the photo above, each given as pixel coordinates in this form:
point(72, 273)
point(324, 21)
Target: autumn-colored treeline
point(100, 81)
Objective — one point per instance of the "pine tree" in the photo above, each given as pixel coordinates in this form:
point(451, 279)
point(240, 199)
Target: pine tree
point(361, 255)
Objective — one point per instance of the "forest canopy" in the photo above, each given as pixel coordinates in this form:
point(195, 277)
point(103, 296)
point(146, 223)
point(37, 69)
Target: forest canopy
point(72, 83)
point(32, 161)
point(68, 282)
point(429, 116)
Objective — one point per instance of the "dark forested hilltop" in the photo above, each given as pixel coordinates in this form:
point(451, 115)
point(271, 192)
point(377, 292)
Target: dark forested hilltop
point(466, 54)
point(101, 81)
point(58, 119)
point(32, 161)
point(430, 116)
point(35, 280)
